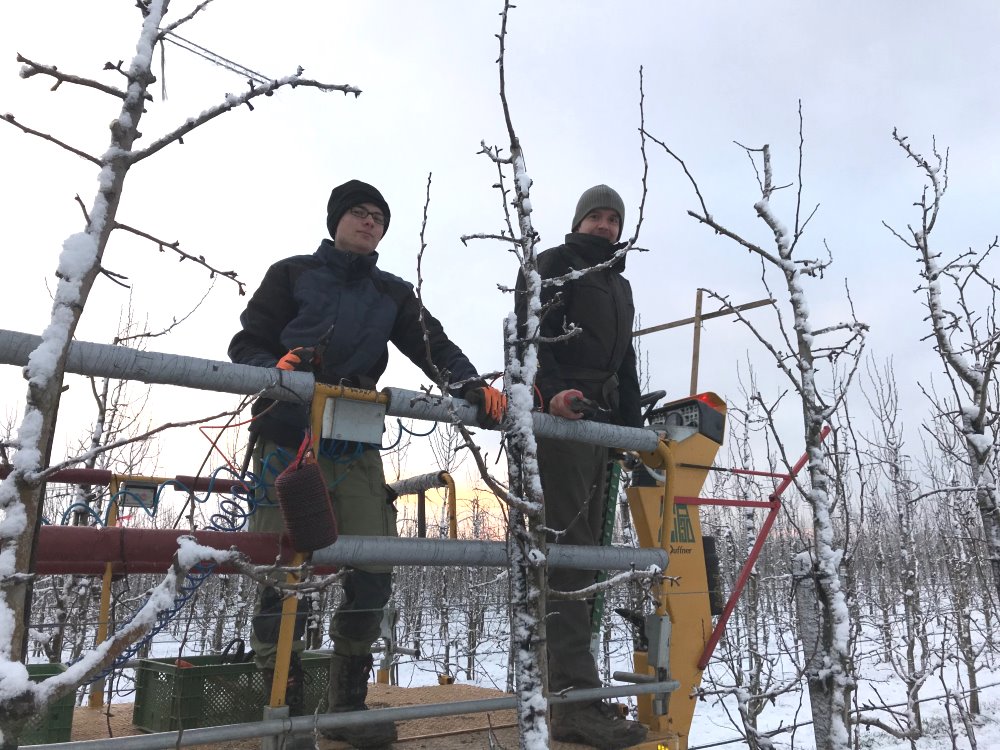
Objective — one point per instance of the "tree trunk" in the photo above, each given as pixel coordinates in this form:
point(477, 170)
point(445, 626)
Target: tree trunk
point(46, 372)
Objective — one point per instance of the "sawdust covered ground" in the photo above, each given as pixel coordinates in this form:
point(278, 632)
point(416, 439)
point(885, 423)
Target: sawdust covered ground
point(468, 732)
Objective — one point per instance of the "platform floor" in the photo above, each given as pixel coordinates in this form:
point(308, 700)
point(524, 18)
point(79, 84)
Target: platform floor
point(467, 732)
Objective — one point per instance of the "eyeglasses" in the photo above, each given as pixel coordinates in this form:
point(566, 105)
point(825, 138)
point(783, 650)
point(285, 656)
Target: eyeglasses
point(363, 213)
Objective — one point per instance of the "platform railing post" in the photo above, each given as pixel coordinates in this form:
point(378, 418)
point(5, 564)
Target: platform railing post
point(96, 698)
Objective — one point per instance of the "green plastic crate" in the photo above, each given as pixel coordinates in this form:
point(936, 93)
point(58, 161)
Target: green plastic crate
point(211, 693)
point(56, 724)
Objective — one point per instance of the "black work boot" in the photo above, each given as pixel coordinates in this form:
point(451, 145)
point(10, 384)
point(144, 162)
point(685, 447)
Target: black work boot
point(348, 690)
point(596, 724)
point(295, 690)
point(295, 698)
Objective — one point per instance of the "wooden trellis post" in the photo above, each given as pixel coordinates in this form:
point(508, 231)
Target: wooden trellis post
point(697, 320)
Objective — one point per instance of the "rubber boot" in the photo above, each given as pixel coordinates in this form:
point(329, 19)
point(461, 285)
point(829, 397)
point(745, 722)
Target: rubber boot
point(595, 724)
point(348, 691)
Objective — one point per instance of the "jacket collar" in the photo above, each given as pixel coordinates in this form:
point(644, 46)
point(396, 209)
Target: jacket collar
point(351, 265)
point(589, 250)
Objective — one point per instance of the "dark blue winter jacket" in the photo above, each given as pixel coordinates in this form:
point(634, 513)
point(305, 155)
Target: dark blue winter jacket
point(306, 296)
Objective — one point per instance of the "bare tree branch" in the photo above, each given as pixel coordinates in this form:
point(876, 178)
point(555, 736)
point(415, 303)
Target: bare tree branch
point(46, 137)
point(170, 27)
point(32, 69)
point(41, 476)
point(232, 102)
point(176, 247)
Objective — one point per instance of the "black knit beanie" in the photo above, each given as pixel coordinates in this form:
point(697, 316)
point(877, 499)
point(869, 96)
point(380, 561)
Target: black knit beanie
point(345, 197)
point(599, 196)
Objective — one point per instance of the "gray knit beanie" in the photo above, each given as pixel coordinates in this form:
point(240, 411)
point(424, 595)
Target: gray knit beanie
point(599, 196)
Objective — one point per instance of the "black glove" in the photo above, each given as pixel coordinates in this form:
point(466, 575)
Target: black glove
point(490, 405)
point(301, 358)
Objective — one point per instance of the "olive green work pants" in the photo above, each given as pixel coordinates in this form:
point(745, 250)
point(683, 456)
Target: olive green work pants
point(356, 484)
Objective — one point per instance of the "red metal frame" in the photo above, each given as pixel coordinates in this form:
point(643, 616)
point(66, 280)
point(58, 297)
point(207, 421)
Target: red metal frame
point(102, 477)
point(774, 504)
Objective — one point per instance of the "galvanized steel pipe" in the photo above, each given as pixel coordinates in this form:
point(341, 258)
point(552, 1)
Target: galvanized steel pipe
point(104, 360)
point(85, 550)
point(412, 485)
point(383, 550)
point(306, 724)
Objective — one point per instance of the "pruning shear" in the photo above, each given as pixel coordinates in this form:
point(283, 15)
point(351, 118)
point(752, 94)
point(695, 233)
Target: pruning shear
point(321, 343)
point(589, 409)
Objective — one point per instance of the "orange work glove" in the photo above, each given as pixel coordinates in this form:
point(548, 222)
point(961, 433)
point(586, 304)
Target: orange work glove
point(301, 358)
point(490, 405)
point(561, 405)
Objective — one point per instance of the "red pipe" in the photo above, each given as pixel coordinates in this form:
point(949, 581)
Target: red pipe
point(720, 626)
point(103, 478)
point(72, 476)
point(85, 550)
point(775, 504)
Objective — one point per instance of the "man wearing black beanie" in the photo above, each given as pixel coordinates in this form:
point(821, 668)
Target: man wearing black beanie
point(334, 313)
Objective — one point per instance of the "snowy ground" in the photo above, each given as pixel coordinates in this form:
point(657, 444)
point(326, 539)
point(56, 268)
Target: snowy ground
point(714, 718)
point(878, 686)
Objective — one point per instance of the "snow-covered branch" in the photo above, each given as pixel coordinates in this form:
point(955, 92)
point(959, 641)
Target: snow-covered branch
point(32, 68)
point(233, 101)
point(967, 341)
point(832, 682)
point(651, 576)
point(22, 698)
point(184, 19)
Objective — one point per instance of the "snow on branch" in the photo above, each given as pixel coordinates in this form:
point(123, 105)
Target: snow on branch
point(233, 101)
point(650, 576)
point(32, 68)
point(484, 236)
point(621, 249)
point(830, 686)
point(22, 698)
point(967, 340)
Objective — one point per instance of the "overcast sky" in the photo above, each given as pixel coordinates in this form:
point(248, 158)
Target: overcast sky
point(251, 187)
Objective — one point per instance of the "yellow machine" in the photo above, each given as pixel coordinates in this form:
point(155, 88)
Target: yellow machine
point(664, 506)
point(680, 628)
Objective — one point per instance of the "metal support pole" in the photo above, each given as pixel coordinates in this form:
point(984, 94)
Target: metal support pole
point(452, 507)
point(420, 405)
point(307, 724)
point(420, 482)
point(96, 699)
point(104, 360)
point(419, 485)
point(85, 551)
point(381, 550)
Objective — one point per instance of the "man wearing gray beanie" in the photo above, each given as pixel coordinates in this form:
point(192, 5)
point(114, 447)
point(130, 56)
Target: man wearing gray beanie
point(591, 373)
point(334, 313)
